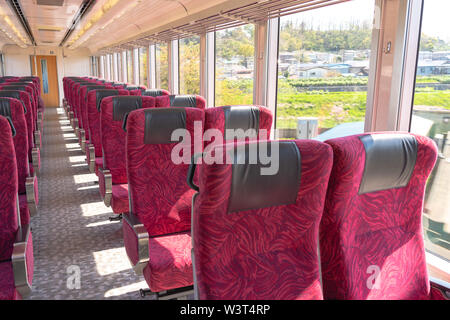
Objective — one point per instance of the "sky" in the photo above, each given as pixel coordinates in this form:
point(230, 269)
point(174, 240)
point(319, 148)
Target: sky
point(436, 18)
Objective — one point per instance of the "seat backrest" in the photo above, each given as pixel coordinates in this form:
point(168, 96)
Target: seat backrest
point(155, 92)
point(158, 192)
point(135, 90)
point(371, 240)
point(84, 112)
point(184, 101)
point(255, 232)
point(93, 107)
point(114, 110)
point(25, 99)
point(14, 110)
point(9, 215)
point(258, 119)
point(76, 97)
point(28, 89)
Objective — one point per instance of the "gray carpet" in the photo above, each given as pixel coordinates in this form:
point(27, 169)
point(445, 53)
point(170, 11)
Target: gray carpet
point(71, 231)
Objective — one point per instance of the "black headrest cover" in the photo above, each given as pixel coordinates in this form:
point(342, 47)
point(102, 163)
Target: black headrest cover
point(5, 110)
point(125, 104)
point(152, 93)
point(160, 124)
point(390, 161)
point(185, 101)
point(241, 117)
point(100, 94)
point(15, 95)
point(252, 190)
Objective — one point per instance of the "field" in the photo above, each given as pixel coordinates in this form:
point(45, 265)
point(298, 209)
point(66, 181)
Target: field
point(332, 108)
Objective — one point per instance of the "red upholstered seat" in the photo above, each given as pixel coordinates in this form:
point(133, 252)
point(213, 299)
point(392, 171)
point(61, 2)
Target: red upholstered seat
point(14, 110)
point(255, 234)
point(8, 191)
point(371, 240)
point(7, 288)
point(170, 262)
point(119, 199)
point(160, 197)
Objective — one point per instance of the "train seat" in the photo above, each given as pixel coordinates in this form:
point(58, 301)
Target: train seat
point(16, 246)
point(113, 174)
point(371, 238)
point(94, 147)
point(255, 233)
point(160, 199)
point(14, 110)
point(155, 92)
point(34, 135)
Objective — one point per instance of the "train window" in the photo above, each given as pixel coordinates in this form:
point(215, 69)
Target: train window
point(431, 117)
point(143, 70)
point(162, 66)
point(189, 65)
point(130, 66)
point(323, 69)
point(234, 65)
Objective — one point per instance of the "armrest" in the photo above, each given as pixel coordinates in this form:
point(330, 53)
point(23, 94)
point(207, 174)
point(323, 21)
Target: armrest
point(136, 241)
point(32, 194)
point(82, 138)
point(75, 126)
point(440, 287)
point(20, 261)
point(37, 138)
point(105, 185)
point(36, 160)
point(90, 157)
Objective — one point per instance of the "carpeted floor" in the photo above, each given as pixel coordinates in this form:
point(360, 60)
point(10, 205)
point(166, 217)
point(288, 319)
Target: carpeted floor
point(71, 231)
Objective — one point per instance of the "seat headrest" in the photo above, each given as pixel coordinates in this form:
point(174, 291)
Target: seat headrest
point(390, 161)
point(125, 104)
point(93, 87)
point(185, 101)
point(16, 87)
point(153, 93)
point(160, 124)
point(5, 110)
point(100, 94)
point(250, 189)
point(241, 117)
point(6, 102)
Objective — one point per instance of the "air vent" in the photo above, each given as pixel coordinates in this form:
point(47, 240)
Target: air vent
point(82, 11)
point(47, 42)
point(17, 9)
point(49, 28)
point(55, 3)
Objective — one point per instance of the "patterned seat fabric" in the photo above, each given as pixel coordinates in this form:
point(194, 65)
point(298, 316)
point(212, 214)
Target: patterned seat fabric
point(159, 195)
point(255, 233)
point(371, 240)
point(8, 191)
point(184, 101)
point(113, 137)
point(84, 90)
point(94, 107)
point(25, 99)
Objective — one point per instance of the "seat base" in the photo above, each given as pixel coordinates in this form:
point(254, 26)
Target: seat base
point(7, 289)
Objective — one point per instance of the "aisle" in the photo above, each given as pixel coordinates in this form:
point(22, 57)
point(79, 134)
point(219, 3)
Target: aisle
point(72, 229)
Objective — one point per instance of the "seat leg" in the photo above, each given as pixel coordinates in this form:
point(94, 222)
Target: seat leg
point(145, 292)
point(116, 218)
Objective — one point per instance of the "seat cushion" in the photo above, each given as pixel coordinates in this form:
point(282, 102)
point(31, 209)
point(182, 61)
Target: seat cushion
point(24, 211)
point(7, 289)
point(119, 199)
point(98, 164)
point(170, 264)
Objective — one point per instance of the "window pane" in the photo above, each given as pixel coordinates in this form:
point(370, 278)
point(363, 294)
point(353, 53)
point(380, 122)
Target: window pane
point(189, 65)
point(130, 66)
point(234, 65)
point(323, 70)
point(162, 66)
point(143, 71)
point(431, 117)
